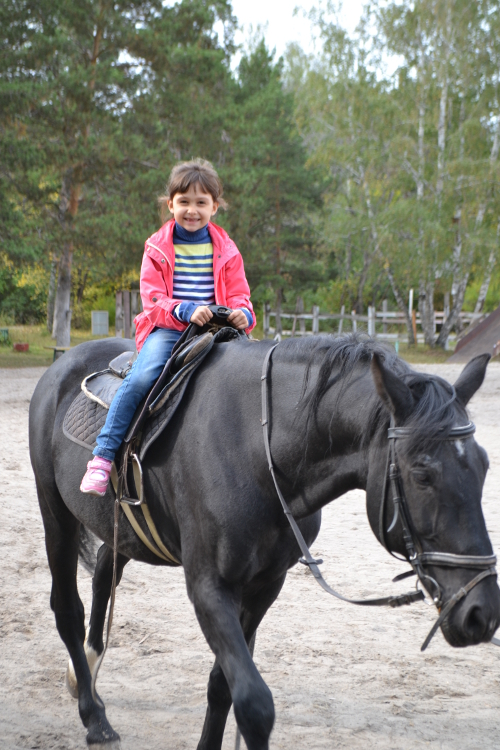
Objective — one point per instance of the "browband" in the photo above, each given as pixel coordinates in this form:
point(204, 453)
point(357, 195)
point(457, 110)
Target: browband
point(456, 433)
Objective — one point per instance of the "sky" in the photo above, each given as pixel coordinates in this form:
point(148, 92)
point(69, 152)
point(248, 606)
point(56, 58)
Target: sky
point(280, 24)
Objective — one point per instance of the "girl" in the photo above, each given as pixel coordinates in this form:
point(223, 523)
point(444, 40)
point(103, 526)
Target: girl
point(188, 264)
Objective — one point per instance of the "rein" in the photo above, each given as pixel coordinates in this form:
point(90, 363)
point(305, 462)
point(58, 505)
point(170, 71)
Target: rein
point(416, 558)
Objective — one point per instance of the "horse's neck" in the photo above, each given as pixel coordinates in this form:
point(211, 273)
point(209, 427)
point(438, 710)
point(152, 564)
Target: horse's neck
point(321, 458)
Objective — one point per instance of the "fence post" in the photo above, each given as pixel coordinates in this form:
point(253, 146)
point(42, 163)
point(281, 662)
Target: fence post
point(354, 321)
point(341, 321)
point(414, 324)
point(134, 308)
point(384, 319)
point(265, 319)
point(315, 326)
point(119, 315)
point(300, 311)
point(371, 321)
point(126, 313)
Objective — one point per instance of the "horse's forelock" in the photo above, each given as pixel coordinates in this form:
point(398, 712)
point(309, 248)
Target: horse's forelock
point(437, 411)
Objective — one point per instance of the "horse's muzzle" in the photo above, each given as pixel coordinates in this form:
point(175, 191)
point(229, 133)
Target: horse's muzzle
point(475, 619)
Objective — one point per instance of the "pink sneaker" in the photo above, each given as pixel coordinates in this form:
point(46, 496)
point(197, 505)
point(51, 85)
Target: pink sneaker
point(96, 478)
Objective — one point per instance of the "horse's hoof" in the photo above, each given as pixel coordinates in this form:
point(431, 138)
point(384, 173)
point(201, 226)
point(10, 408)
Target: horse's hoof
point(107, 738)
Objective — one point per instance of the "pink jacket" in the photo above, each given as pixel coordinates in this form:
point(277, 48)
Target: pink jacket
point(157, 280)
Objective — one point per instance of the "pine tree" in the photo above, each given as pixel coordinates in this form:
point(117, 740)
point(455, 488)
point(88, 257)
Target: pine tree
point(271, 192)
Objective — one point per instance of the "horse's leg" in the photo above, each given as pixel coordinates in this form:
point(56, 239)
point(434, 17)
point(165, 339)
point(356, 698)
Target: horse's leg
point(101, 590)
point(253, 703)
point(62, 540)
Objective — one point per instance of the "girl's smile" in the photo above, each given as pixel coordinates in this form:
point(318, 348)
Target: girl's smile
point(193, 209)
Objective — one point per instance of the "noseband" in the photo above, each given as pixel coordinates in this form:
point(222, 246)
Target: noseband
point(416, 557)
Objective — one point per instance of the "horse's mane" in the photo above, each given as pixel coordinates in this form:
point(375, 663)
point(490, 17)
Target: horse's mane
point(437, 411)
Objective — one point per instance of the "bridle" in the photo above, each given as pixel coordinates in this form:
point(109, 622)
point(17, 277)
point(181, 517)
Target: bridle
point(416, 557)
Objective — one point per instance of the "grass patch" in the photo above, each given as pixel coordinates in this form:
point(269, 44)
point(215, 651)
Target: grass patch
point(37, 337)
point(423, 355)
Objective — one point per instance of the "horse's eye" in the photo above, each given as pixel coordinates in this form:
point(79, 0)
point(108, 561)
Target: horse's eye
point(423, 477)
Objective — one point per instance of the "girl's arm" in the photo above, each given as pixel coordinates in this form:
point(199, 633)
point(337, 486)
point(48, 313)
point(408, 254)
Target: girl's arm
point(237, 289)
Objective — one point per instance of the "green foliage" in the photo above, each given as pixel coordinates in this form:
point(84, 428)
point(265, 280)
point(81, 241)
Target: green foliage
point(273, 196)
point(346, 185)
point(23, 293)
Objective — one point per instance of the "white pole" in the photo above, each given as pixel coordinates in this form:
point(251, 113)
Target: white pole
point(410, 303)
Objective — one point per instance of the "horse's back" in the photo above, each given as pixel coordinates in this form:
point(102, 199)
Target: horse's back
point(60, 384)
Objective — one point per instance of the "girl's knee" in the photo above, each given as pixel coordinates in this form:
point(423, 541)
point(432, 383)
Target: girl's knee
point(145, 378)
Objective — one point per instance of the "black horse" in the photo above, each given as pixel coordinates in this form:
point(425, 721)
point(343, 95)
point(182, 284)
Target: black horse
point(214, 503)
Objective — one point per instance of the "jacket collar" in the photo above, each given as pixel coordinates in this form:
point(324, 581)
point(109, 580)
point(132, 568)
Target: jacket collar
point(223, 246)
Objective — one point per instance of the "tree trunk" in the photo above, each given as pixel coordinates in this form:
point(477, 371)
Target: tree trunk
point(458, 302)
point(442, 136)
point(52, 292)
point(493, 255)
point(62, 312)
point(403, 307)
point(426, 310)
point(460, 280)
point(68, 209)
point(278, 326)
point(486, 282)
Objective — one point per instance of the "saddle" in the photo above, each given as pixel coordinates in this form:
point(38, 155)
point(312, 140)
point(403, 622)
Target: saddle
point(87, 413)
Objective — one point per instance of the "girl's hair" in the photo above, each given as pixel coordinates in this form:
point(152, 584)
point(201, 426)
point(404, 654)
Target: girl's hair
point(188, 173)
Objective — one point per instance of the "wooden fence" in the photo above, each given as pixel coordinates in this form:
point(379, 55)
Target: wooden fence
point(376, 323)
point(128, 305)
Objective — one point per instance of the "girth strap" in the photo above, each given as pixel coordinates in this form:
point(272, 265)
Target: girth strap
point(159, 548)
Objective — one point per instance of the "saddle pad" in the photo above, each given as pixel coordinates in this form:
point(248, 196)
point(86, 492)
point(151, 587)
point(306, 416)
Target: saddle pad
point(84, 420)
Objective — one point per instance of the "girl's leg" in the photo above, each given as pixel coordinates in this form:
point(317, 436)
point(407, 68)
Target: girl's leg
point(144, 373)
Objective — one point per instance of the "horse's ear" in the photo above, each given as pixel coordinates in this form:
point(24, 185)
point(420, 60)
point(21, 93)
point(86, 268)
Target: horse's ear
point(471, 378)
point(392, 390)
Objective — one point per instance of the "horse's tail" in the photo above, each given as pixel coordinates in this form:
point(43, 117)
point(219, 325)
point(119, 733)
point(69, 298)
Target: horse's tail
point(87, 549)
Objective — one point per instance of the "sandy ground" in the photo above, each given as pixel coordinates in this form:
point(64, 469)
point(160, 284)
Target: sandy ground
point(341, 676)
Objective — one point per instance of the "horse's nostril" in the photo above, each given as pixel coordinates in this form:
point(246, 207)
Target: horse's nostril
point(475, 624)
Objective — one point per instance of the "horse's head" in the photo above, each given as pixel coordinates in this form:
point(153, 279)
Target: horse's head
point(439, 474)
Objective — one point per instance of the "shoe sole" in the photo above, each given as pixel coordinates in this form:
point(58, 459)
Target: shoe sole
point(92, 492)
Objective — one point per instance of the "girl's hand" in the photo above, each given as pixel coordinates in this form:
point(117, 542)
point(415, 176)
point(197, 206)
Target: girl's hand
point(201, 316)
point(238, 319)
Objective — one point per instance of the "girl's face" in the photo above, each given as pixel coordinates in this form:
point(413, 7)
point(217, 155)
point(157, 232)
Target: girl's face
point(193, 209)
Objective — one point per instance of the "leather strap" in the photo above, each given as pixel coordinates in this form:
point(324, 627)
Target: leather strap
point(449, 560)
point(460, 594)
point(160, 551)
point(307, 559)
point(456, 433)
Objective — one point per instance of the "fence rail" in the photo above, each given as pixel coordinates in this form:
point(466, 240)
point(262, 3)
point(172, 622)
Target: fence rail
point(349, 321)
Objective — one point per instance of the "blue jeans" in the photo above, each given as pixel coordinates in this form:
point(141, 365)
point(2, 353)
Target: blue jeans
point(145, 371)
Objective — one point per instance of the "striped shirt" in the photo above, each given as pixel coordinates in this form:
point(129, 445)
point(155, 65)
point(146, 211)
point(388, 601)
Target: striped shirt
point(194, 266)
point(194, 272)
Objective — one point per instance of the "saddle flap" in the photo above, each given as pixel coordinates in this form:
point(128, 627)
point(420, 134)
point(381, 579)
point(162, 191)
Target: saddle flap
point(122, 364)
point(101, 387)
point(190, 351)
